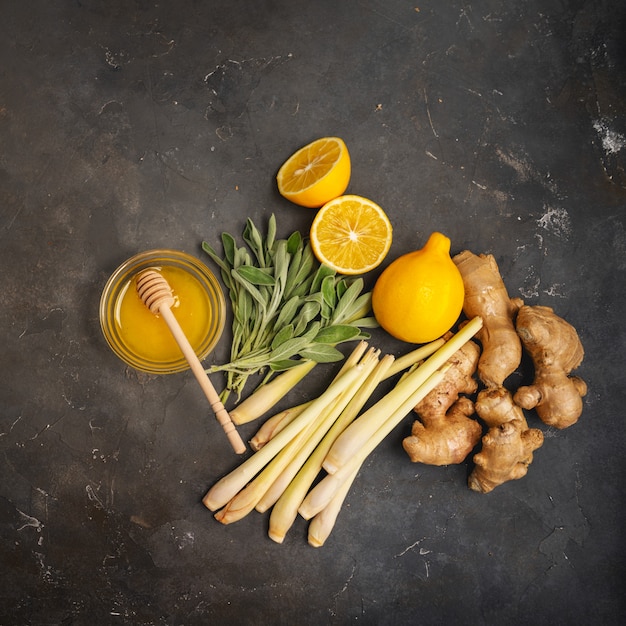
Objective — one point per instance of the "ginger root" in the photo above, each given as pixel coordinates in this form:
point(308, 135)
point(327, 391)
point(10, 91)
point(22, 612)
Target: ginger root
point(506, 454)
point(507, 448)
point(556, 350)
point(445, 434)
point(486, 296)
point(495, 406)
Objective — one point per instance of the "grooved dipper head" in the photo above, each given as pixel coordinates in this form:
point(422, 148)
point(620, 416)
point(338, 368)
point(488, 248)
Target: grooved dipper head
point(154, 290)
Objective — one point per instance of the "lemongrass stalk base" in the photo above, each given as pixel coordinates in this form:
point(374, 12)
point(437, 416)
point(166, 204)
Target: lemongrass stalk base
point(323, 523)
point(273, 425)
point(268, 395)
point(292, 486)
point(286, 508)
point(227, 487)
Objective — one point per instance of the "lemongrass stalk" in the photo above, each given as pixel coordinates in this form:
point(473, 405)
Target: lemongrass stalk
point(232, 483)
point(323, 523)
point(411, 358)
point(322, 426)
point(247, 499)
point(319, 497)
point(281, 482)
point(276, 423)
point(355, 436)
point(285, 511)
point(269, 479)
point(273, 425)
point(266, 396)
point(240, 505)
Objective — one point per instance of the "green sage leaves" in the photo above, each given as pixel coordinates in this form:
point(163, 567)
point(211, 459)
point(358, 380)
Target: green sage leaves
point(286, 306)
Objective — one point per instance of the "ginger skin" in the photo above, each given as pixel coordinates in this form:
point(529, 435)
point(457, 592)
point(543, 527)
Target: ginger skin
point(506, 454)
point(556, 350)
point(445, 434)
point(507, 448)
point(495, 406)
point(486, 296)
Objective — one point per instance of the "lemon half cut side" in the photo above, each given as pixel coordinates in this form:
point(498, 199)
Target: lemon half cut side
point(351, 234)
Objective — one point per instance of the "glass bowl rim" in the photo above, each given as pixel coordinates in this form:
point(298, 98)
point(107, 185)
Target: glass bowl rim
point(177, 258)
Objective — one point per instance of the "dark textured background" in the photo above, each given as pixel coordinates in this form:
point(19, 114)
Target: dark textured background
point(130, 125)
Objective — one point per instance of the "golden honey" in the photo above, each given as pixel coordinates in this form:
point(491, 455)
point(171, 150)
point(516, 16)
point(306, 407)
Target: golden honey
point(147, 334)
point(143, 339)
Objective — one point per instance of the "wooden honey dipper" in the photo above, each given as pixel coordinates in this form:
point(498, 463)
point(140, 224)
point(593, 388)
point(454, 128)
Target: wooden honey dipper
point(156, 294)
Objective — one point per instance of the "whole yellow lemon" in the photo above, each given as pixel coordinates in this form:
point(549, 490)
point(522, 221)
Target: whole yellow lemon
point(420, 295)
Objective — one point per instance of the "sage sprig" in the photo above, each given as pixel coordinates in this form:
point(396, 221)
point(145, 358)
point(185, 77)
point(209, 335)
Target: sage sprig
point(287, 307)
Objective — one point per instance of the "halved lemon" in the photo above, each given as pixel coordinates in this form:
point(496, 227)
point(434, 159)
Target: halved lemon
point(315, 174)
point(351, 234)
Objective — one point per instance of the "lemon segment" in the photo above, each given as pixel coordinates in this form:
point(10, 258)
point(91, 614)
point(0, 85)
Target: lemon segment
point(315, 174)
point(351, 234)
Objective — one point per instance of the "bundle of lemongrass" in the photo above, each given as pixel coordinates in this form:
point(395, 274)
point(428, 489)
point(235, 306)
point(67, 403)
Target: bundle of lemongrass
point(328, 435)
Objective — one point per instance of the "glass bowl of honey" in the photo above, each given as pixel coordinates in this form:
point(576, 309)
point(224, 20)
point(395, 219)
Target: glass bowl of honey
point(142, 339)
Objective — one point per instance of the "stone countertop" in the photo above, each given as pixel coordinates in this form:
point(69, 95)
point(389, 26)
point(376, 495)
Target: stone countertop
point(128, 126)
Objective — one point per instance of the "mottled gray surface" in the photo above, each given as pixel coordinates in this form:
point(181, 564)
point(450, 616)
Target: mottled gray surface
point(130, 125)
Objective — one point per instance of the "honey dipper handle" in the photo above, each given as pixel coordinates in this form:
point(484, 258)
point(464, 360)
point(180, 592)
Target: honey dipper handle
point(209, 391)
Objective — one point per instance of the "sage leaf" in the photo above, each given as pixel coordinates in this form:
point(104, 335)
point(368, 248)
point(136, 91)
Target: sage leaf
point(288, 312)
point(252, 237)
point(292, 274)
point(321, 273)
point(284, 334)
point(336, 334)
point(289, 348)
point(250, 288)
point(255, 275)
point(303, 288)
point(241, 257)
point(243, 308)
point(285, 364)
point(316, 297)
point(312, 330)
point(271, 235)
point(321, 353)
point(343, 310)
point(309, 311)
point(230, 245)
point(294, 242)
point(228, 281)
point(328, 291)
point(305, 265)
point(366, 322)
point(341, 288)
point(281, 263)
point(215, 257)
point(361, 307)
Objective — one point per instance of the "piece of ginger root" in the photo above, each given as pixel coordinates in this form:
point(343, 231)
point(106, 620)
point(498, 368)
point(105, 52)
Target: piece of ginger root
point(507, 447)
point(445, 434)
point(556, 350)
point(487, 297)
